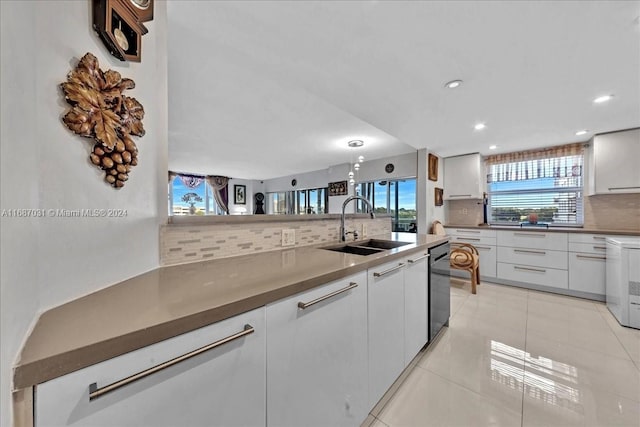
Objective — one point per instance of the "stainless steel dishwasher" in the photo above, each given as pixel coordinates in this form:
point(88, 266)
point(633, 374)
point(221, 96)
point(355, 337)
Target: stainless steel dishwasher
point(439, 289)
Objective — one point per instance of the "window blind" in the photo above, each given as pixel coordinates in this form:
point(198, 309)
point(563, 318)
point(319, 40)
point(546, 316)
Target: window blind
point(543, 190)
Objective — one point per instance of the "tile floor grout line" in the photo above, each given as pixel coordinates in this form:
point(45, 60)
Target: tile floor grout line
point(618, 338)
point(380, 421)
point(524, 367)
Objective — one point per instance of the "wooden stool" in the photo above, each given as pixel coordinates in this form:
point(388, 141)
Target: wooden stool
point(464, 256)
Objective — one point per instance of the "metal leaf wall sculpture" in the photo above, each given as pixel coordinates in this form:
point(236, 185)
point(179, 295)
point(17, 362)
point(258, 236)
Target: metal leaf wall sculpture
point(101, 111)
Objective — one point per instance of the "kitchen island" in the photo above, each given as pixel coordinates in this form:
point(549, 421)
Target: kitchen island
point(170, 301)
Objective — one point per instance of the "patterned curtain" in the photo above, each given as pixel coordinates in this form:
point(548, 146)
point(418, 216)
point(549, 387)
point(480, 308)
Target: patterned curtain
point(220, 186)
point(191, 181)
point(546, 153)
point(556, 162)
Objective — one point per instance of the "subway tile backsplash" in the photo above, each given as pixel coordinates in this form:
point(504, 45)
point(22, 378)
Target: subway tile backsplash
point(188, 243)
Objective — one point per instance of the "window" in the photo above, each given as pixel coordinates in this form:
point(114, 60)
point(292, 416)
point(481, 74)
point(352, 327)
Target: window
point(302, 202)
point(544, 189)
point(192, 201)
point(395, 197)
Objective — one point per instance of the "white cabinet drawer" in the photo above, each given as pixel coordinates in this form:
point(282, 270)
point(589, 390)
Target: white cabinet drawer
point(488, 257)
point(533, 239)
point(587, 272)
point(222, 386)
point(479, 240)
point(587, 238)
point(591, 248)
point(536, 275)
point(470, 232)
point(533, 257)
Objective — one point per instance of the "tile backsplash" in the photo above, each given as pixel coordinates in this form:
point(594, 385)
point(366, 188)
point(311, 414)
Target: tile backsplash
point(187, 243)
point(612, 211)
point(464, 212)
point(601, 212)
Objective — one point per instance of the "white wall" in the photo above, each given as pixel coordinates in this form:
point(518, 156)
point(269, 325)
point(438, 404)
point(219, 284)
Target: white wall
point(239, 209)
point(404, 166)
point(47, 261)
point(436, 212)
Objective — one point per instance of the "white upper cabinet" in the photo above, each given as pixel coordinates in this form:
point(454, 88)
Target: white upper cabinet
point(614, 163)
point(463, 177)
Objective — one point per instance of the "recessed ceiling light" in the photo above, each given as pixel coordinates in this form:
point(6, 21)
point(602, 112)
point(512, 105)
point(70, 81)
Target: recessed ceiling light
point(582, 132)
point(480, 126)
point(453, 84)
point(356, 143)
point(602, 99)
point(493, 147)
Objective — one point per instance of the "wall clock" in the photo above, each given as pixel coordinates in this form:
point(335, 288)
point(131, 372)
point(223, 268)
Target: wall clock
point(141, 9)
point(389, 168)
point(119, 25)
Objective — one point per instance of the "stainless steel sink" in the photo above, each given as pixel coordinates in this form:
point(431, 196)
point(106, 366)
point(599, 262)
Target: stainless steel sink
point(380, 244)
point(358, 250)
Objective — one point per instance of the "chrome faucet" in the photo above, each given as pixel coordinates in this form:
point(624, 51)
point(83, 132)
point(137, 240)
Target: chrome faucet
point(343, 234)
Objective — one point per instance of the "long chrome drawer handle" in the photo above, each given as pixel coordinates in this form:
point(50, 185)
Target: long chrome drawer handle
point(95, 392)
point(591, 257)
point(529, 235)
point(469, 238)
point(598, 238)
point(382, 273)
point(303, 305)
point(537, 270)
point(487, 248)
point(623, 188)
point(603, 248)
point(468, 231)
point(525, 251)
point(411, 261)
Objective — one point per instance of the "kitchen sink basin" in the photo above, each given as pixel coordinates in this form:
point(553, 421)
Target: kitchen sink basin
point(358, 250)
point(366, 247)
point(381, 244)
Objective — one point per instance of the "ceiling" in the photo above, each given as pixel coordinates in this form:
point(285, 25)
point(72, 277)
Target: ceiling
point(264, 89)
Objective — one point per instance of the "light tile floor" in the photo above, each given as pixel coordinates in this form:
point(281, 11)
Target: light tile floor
point(514, 357)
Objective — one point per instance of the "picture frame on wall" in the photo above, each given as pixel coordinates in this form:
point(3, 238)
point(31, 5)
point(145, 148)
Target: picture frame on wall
point(240, 194)
point(439, 196)
point(433, 167)
point(339, 188)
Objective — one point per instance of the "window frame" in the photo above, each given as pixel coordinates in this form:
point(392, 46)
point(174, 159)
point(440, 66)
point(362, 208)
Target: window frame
point(577, 190)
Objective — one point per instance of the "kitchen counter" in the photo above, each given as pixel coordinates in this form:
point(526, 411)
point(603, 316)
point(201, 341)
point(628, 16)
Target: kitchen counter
point(552, 229)
point(173, 300)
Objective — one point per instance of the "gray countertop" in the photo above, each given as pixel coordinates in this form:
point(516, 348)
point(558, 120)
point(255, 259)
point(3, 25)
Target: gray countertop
point(169, 301)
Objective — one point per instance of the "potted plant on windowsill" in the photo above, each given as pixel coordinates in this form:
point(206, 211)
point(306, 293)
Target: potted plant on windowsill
point(192, 199)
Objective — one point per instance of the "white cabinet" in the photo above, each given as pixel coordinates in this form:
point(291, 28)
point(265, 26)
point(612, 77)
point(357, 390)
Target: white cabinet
point(533, 239)
point(484, 241)
point(463, 177)
point(587, 261)
point(317, 356)
point(224, 386)
point(587, 273)
point(613, 165)
point(416, 304)
point(386, 327)
point(533, 257)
